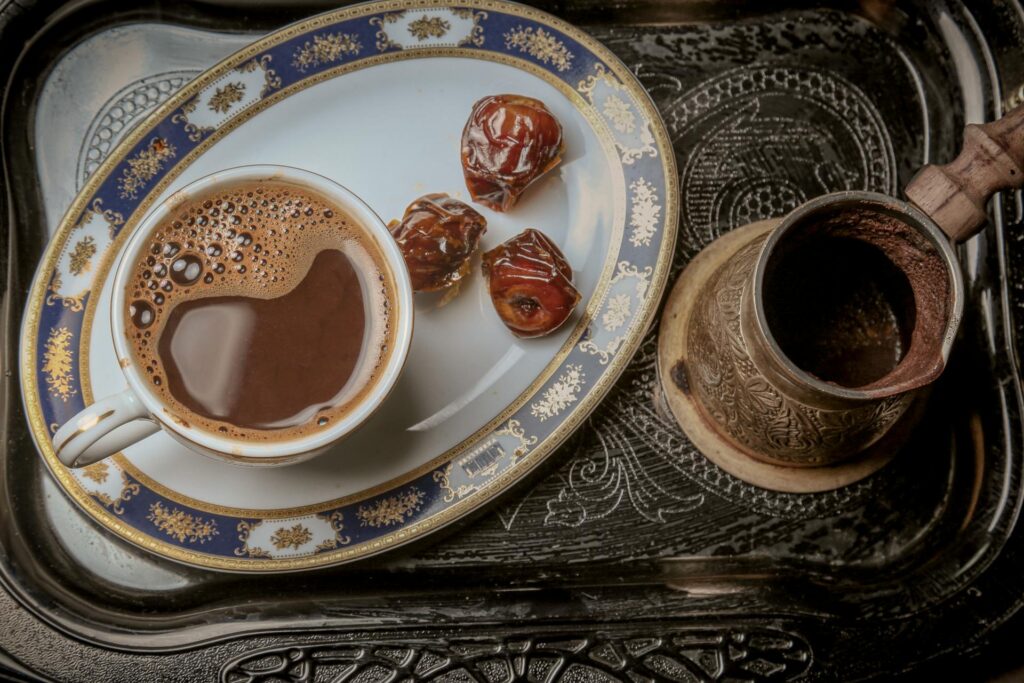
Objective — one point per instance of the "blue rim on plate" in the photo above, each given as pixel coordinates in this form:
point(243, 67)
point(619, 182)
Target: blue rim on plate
point(54, 345)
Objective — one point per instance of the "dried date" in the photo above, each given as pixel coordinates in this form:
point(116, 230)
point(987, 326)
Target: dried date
point(530, 283)
point(437, 236)
point(508, 142)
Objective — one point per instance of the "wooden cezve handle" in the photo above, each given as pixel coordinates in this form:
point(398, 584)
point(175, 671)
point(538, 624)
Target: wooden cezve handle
point(955, 195)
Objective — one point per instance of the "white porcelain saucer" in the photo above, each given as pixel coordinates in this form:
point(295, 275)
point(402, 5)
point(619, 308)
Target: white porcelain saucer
point(374, 97)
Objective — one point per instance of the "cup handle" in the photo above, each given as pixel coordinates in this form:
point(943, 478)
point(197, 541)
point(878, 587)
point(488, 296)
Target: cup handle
point(92, 434)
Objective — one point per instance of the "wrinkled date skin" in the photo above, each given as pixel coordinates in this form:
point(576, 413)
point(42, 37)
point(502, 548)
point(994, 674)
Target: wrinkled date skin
point(437, 236)
point(508, 142)
point(530, 284)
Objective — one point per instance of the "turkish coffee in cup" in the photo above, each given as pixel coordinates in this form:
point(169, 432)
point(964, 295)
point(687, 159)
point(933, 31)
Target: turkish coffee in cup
point(260, 311)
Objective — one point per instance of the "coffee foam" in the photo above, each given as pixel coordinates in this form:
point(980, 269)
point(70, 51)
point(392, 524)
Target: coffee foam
point(254, 239)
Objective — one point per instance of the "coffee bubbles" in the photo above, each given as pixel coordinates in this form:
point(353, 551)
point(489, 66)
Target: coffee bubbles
point(141, 314)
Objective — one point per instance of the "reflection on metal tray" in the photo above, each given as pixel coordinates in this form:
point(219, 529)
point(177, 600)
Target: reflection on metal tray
point(632, 556)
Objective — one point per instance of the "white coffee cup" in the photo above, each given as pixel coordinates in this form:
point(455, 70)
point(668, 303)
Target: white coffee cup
point(118, 421)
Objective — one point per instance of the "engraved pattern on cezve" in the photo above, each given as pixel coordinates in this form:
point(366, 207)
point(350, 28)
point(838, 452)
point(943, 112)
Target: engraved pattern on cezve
point(744, 402)
point(701, 655)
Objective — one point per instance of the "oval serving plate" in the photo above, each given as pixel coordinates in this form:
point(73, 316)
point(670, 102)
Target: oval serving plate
point(373, 96)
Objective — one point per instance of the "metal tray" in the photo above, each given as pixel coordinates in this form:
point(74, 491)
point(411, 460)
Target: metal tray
point(631, 557)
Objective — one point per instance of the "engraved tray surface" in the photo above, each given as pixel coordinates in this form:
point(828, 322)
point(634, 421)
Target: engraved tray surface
point(631, 557)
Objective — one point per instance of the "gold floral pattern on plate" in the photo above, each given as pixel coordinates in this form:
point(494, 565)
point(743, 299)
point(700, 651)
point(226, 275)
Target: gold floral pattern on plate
point(326, 48)
point(144, 166)
point(476, 34)
point(459, 26)
point(627, 289)
point(112, 218)
point(291, 537)
point(619, 113)
point(617, 311)
point(560, 395)
point(271, 81)
point(429, 27)
point(391, 510)
point(620, 109)
point(97, 472)
point(180, 525)
point(515, 429)
point(541, 45)
point(57, 367)
point(337, 521)
point(89, 238)
point(244, 530)
point(226, 96)
point(129, 489)
point(81, 255)
point(73, 303)
point(195, 133)
point(384, 41)
point(645, 212)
